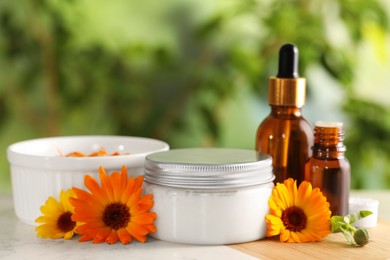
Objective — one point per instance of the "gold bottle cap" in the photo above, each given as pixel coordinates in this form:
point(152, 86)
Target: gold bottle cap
point(287, 91)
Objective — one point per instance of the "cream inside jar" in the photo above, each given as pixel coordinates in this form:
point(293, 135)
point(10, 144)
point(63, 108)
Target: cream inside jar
point(209, 196)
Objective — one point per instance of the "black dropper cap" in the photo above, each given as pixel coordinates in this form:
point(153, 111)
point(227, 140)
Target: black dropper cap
point(287, 88)
point(288, 61)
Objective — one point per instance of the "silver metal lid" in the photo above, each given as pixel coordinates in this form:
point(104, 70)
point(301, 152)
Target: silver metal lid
point(208, 168)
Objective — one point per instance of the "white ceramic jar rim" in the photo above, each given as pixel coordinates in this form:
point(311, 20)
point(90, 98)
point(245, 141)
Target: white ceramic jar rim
point(44, 153)
point(208, 168)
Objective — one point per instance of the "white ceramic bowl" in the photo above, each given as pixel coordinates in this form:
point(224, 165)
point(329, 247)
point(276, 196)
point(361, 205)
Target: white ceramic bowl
point(38, 170)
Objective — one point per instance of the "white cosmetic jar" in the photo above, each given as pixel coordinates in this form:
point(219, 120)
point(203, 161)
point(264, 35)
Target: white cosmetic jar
point(209, 196)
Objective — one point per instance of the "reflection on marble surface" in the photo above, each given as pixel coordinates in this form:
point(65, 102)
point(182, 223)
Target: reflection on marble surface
point(19, 241)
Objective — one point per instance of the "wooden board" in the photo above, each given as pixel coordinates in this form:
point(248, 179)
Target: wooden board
point(333, 246)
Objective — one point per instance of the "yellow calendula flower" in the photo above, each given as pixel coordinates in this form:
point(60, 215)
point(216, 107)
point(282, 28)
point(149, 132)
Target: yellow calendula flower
point(298, 214)
point(114, 211)
point(57, 218)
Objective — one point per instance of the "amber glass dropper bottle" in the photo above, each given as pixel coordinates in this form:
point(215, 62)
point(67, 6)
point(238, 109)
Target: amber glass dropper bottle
point(328, 168)
point(285, 134)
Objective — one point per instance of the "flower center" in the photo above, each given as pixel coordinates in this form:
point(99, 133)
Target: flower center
point(116, 215)
point(65, 222)
point(294, 219)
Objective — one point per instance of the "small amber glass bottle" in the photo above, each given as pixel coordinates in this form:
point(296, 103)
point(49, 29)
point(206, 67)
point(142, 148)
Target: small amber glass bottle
point(285, 134)
point(328, 169)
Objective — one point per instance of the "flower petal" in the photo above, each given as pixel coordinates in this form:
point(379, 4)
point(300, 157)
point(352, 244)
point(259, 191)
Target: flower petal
point(106, 184)
point(124, 236)
point(96, 190)
point(112, 237)
point(115, 179)
point(285, 236)
point(134, 232)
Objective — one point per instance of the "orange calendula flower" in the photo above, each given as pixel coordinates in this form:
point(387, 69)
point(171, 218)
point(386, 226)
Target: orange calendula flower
point(298, 214)
point(57, 218)
point(114, 211)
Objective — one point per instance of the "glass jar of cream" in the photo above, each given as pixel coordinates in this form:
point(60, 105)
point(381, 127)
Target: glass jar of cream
point(209, 196)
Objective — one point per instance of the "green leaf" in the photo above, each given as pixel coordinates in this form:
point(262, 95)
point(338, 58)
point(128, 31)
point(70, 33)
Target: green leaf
point(354, 217)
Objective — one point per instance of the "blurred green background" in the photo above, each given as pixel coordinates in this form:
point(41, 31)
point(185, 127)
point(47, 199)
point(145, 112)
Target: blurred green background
point(193, 73)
